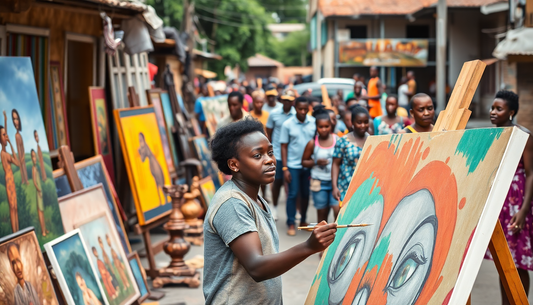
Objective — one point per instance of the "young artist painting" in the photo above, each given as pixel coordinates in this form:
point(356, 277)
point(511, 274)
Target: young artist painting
point(515, 216)
point(242, 263)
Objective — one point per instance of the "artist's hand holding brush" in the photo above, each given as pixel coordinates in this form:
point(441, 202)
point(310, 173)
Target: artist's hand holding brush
point(322, 236)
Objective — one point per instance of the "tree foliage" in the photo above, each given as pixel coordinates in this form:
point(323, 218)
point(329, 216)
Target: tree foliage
point(292, 51)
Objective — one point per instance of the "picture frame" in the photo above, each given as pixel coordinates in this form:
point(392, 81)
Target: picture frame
point(203, 153)
point(215, 108)
point(208, 190)
point(23, 247)
point(30, 199)
point(140, 276)
point(87, 210)
point(74, 271)
point(170, 124)
point(59, 110)
point(91, 172)
point(100, 125)
point(154, 99)
point(140, 140)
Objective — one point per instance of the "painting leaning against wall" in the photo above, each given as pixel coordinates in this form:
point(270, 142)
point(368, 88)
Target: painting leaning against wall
point(27, 190)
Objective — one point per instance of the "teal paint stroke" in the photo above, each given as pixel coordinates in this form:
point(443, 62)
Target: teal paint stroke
point(362, 199)
point(395, 139)
point(378, 255)
point(475, 144)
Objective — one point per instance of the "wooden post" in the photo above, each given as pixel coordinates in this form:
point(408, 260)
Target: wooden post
point(325, 97)
point(133, 98)
point(66, 161)
point(455, 117)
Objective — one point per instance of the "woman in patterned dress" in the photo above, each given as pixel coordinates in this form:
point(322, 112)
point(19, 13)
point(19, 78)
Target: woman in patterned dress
point(391, 122)
point(7, 160)
point(347, 152)
point(515, 216)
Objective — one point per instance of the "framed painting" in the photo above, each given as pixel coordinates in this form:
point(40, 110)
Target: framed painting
point(75, 273)
point(87, 210)
point(22, 263)
point(215, 108)
point(92, 172)
point(58, 104)
point(208, 189)
point(27, 189)
point(100, 124)
point(140, 276)
point(170, 124)
point(203, 153)
point(432, 200)
point(145, 162)
point(154, 99)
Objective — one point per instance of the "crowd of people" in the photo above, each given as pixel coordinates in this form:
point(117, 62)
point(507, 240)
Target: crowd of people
point(316, 150)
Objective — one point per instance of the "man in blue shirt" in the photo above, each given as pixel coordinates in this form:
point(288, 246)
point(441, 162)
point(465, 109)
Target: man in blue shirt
point(295, 133)
point(275, 120)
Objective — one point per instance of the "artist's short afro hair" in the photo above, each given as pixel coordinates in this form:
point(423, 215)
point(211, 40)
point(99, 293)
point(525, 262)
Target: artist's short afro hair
point(510, 98)
point(225, 143)
point(417, 96)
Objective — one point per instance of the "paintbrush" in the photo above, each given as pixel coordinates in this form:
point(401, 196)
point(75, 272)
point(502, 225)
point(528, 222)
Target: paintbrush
point(312, 226)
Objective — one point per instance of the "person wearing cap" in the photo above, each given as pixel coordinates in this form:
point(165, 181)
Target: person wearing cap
point(272, 100)
point(274, 123)
point(236, 113)
point(296, 132)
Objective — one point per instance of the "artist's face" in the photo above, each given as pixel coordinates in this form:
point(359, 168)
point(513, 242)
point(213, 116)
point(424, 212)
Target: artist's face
point(301, 111)
point(256, 162)
point(16, 262)
point(423, 111)
point(391, 105)
point(16, 120)
point(36, 137)
point(259, 102)
point(500, 112)
point(395, 261)
point(323, 127)
point(235, 108)
point(360, 124)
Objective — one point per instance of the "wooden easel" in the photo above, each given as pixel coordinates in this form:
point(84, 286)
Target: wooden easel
point(455, 117)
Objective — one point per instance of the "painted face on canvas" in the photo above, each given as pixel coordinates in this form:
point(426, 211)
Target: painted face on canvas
point(16, 119)
point(36, 135)
point(81, 282)
point(13, 254)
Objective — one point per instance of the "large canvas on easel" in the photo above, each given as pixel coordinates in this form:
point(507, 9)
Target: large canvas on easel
point(145, 161)
point(433, 200)
point(27, 189)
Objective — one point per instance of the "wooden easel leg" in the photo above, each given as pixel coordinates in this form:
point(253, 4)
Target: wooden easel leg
point(152, 272)
point(469, 302)
point(506, 268)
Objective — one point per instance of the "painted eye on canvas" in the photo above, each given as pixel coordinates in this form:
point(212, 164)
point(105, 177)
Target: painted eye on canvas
point(408, 267)
point(345, 258)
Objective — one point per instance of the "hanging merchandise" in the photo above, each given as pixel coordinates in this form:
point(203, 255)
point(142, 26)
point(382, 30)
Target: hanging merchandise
point(111, 42)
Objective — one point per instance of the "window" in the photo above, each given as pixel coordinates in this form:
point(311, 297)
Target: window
point(357, 31)
point(417, 31)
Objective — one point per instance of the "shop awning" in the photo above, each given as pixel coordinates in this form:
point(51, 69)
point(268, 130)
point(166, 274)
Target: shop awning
point(516, 42)
point(205, 73)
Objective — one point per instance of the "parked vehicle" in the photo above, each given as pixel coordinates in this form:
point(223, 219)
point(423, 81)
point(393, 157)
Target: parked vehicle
point(316, 88)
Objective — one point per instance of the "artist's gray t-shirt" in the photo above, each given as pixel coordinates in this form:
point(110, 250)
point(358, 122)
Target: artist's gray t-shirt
point(226, 281)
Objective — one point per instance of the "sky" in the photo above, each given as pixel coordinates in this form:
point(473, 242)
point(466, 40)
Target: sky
point(17, 90)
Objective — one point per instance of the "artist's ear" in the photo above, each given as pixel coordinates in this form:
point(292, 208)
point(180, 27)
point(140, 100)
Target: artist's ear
point(233, 165)
point(512, 113)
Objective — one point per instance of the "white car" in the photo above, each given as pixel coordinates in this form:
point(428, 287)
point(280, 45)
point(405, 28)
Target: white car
point(336, 81)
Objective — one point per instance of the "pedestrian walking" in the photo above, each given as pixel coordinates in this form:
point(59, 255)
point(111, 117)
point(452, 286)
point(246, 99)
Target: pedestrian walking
point(390, 123)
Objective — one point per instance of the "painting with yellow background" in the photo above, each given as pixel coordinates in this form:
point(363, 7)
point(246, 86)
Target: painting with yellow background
point(145, 161)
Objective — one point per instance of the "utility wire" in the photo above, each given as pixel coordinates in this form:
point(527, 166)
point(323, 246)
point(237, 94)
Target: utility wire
point(267, 7)
point(228, 13)
point(228, 23)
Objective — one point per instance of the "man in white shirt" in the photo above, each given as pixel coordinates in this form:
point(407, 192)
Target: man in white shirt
point(24, 292)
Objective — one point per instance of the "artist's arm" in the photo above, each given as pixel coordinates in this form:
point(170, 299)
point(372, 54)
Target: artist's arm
point(519, 219)
point(335, 169)
point(247, 248)
point(307, 160)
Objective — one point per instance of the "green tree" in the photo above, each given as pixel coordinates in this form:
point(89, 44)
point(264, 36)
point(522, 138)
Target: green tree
point(288, 11)
point(292, 51)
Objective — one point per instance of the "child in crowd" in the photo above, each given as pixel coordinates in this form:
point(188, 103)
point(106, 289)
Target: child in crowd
point(242, 260)
point(295, 133)
point(318, 156)
point(391, 122)
point(423, 112)
point(348, 151)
